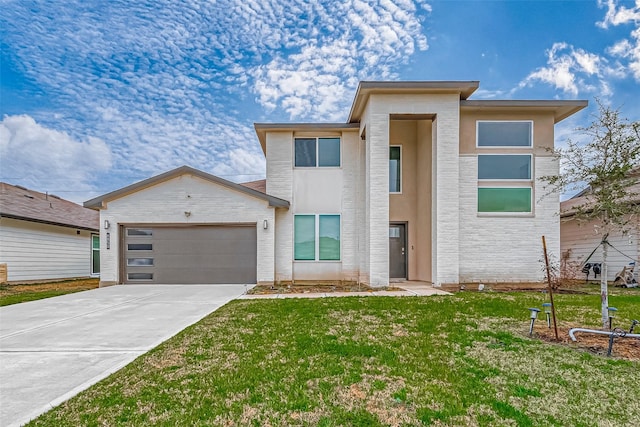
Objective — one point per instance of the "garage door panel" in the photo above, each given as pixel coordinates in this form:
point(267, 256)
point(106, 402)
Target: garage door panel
point(190, 255)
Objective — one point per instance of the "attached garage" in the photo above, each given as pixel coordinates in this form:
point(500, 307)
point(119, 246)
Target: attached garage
point(203, 254)
point(187, 227)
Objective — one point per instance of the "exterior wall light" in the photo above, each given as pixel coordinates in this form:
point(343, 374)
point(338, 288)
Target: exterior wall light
point(107, 224)
point(265, 224)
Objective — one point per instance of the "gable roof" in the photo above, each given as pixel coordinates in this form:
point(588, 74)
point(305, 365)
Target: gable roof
point(101, 201)
point(21, 203)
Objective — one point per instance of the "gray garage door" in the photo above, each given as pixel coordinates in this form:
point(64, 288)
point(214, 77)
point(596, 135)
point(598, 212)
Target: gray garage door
point(190, 255)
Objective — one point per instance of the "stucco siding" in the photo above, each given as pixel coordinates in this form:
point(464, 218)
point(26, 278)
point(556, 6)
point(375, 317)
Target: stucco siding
point(506, 247)
point(34, 251)
point(182, 201)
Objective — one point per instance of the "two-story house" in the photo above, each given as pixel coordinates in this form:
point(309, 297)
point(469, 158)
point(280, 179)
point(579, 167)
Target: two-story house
point(420, 183)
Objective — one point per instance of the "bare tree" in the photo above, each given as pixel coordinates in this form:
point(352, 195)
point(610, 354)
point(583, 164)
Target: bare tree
point(607, 165)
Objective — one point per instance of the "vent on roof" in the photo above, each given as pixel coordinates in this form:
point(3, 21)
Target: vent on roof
point(28, 196)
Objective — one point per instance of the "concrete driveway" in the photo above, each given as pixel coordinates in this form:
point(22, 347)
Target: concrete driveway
point(53, 348)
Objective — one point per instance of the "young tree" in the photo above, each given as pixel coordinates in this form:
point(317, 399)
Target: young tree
point(607, 164)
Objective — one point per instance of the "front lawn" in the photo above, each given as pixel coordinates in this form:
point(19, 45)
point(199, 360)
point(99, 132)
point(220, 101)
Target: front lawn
point(366, 361)
point(14, 294)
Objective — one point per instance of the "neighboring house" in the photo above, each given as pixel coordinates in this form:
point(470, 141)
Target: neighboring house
point(579, 238)
point(420, 183)
point(44, 237)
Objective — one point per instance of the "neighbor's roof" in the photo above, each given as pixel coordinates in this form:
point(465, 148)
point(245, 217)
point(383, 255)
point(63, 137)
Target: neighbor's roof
point(259, 185)
point(365, 89)
point(561, 109)
point(263, 128)
point(569, 207)
point(21, 203)
point(100, 202)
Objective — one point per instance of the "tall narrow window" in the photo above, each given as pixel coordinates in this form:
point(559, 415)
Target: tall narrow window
point(304, 237)
point(95, 254)
point(329, 237)
point(395, 172)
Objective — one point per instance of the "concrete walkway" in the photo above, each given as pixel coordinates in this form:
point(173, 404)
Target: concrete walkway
point(52, 349)
point(407, 289)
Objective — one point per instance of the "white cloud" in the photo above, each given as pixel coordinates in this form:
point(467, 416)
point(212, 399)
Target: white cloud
point(358, 40)
point(574, 70)
point(164, 83)
point(48, 160)
point(618, 14)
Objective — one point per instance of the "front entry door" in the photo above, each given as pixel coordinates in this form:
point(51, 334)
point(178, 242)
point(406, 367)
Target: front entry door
point(397, 251)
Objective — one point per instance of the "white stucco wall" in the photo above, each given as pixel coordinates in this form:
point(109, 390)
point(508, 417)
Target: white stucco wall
point(34, 251)
point(446, 163)
point(506, 247)
point(207, 202)
point(280, 184)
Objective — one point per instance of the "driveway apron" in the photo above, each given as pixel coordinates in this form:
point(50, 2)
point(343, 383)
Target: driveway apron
point(52, 349)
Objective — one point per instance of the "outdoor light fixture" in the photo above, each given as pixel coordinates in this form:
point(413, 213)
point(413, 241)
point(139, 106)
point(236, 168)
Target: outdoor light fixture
point(547, 311)
point(106, 224)
point(534, 316)
point(612, 310)
point(265, 224)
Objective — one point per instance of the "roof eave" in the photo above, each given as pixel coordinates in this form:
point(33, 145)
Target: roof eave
point(366, 88)
point(561, 109)
point(43, 221)
point(263, 128)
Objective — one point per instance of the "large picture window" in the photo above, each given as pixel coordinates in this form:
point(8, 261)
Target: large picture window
point(505, 133)
point(317, 152)
point(504, 200)
point(316, 237)
point(395, 169)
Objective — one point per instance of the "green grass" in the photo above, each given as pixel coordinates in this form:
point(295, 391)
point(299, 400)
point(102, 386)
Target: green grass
point(460, 360)
point(15, 294)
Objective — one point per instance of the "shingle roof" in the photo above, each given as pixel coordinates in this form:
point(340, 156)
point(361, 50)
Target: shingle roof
point(259, 185)
point(569, 207)
point(28, 205)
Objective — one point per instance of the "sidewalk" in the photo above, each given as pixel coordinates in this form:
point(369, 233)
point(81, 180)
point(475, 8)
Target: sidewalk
point(407, 289)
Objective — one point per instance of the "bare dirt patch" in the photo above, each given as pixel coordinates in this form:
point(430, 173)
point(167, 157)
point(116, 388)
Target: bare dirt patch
point(66, 285)
point(623, 348)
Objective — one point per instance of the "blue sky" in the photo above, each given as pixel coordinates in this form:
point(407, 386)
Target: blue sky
point(95, 95)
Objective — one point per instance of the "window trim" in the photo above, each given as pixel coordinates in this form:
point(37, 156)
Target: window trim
point(530, 213)
point(401, 168)
point(531, 170)
point(505, 147)
point(317, 138)
point(316, 238)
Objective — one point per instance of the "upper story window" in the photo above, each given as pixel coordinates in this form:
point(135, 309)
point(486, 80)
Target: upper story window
point(317, 152)
point(504, 166)
point(505, 134)
point(395, 169)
